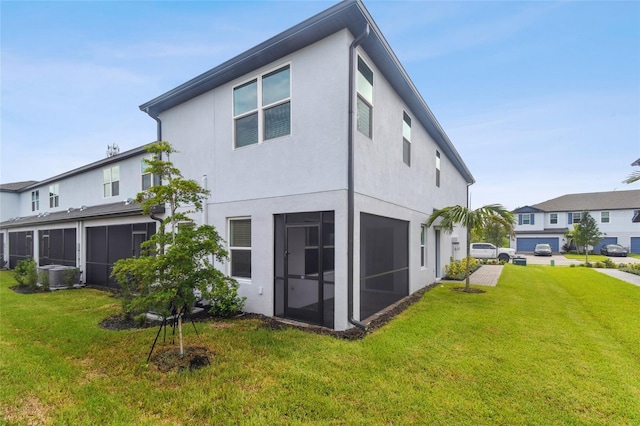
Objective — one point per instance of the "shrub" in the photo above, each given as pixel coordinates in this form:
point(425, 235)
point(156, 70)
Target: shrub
point(26, 273)
point(457, 270)
point(225, 300)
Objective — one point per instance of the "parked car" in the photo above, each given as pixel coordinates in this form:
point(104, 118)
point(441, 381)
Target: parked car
point(613, 250)
point(489, 251)
point(542, 250)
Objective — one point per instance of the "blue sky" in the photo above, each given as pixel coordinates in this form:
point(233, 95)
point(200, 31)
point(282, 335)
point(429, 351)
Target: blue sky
point(541, 99)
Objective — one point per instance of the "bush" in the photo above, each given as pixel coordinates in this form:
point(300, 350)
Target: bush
point(26, 273)
point(225, 301)
point(457, 270)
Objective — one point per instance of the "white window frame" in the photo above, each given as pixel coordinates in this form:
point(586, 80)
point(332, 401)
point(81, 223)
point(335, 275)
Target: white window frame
point(406, 138)
point(573, 217)
point(423, 246)
point(438, 163)
point(155, 179)
point(362, 97)
point(110, 182)
point(553, 218)
point(526, 218)
point(233, 248)
point(35, 200)
point(604, 215)
point(54, 195)
point(260, 108)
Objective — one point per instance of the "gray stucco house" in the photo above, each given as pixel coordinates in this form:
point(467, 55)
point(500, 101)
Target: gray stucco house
point(323, 162)
point(617, 214)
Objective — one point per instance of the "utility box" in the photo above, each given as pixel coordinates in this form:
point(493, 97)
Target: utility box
point(522, 261)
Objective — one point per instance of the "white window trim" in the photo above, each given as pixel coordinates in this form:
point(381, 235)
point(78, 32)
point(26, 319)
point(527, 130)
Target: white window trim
point(608, 217)
point(111, 181)
point(404, 139)
point(528, 218)
point(423, 247)
point(241, 280)
point(35, 200)
point(359, 96)
point(551, 220)
point(259, 107)
point(54, 195)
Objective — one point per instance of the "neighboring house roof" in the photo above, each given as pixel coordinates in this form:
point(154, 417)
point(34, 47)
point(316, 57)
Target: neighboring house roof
point(96, 164)
point(93, 212)
point(527, 209)
point(612, 200)
point(349, 14)
point(636, 163)
point(16, 186)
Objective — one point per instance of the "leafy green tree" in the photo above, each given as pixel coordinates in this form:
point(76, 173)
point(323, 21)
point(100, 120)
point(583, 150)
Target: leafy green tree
point(492, 232)
point(586, 233)
point(177, 261)
point(472, 220)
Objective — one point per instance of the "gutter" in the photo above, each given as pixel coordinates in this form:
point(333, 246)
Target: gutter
point(350, 179)
point(159, 123)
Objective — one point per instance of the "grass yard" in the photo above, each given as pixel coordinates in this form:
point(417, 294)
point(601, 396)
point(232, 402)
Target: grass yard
point(546, 346)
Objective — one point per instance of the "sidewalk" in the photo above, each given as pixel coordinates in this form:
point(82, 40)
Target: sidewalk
point(621, 275)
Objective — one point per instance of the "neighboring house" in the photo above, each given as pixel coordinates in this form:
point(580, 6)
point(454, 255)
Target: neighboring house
point(323, 162)
point(82, 218)
point(617, 214)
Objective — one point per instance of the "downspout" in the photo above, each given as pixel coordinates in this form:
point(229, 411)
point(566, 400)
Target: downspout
point(205, 205)
point(158, 126)
point(350, 186)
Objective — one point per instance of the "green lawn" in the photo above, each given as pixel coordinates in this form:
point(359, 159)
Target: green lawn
point(546, 346)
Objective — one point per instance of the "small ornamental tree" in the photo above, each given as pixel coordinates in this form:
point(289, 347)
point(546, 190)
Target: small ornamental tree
point(177, 261)
point(586, 233)
point(472, 220)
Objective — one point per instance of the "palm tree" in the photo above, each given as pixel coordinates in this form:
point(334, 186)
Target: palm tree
point(635, 176)
point(472, 219)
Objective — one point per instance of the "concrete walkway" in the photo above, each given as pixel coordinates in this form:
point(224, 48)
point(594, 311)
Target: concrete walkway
point(621, 275)
point(486, 275)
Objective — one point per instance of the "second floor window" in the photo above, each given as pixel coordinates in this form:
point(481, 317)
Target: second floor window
point(148, 179)
point(54, 195)
point(365, 99)
point(262, 108)
point(406, 139)
point(526, 219)
point(604, 217)
point(35, 201)
point(111, 182)
point(438, 169)
point(553, 218)
point(574, 217)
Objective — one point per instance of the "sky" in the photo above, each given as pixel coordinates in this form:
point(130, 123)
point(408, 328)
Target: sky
point(540, 99)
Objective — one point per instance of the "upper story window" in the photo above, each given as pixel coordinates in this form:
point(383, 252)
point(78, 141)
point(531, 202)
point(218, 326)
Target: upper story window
point(604, 217)
point(240, 247)
point(574, 217)
point(526, 219)
point(365, 99)
point(148, 179)
point(553, 218)
point(406, 139)
point(262, 108)
point(35, 200)
point(438, 168)
point(111, 181)
point(54, 195)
